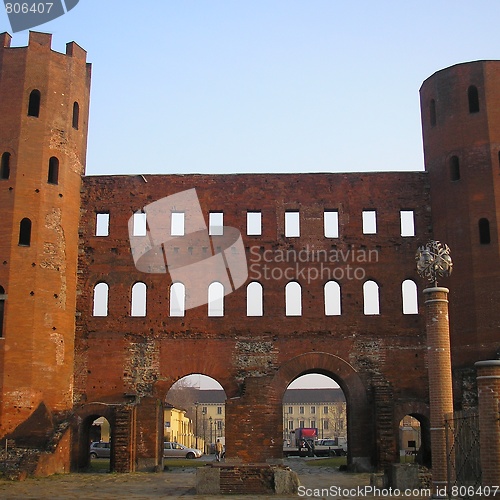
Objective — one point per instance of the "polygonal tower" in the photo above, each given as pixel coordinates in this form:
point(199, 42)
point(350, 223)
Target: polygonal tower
point(44, 105)
point(460, 109)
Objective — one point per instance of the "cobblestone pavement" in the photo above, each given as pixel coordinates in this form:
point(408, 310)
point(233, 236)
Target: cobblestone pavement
point(181, 483)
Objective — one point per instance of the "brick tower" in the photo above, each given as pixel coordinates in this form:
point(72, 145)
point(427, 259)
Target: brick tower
point(461, 132)
point(44, 104)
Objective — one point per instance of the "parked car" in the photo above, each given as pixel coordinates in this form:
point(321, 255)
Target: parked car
point(171, 449)
point(99, 449)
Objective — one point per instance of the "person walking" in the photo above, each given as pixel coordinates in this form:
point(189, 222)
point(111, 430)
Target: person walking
point(219, 449)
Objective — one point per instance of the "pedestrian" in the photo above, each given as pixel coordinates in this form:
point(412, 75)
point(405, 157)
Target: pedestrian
point(219, 448)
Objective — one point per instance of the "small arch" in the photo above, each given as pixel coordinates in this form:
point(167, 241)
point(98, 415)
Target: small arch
point(3, 298)
point(454, 168)
point(5, 166)
point(138, 306)
point(177, 299)
point(293, 299)
point(473, 97)
point(216, 299)
point(34, 103)
point(371, 302)
point(254, 299)
point(53, 175)
point(76, 115)
point(410, 297)
point(332, 298)
point(101, 296)
point(25, 232)
point(484, 231)
point(432, 112)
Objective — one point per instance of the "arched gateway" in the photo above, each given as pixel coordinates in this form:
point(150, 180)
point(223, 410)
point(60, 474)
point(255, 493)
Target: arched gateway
point(255, 280)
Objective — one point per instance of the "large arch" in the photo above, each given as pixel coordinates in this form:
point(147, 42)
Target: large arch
point(360, 428)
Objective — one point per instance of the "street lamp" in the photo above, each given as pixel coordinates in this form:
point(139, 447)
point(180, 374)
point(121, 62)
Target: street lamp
point(211, 422)
point(196, 425)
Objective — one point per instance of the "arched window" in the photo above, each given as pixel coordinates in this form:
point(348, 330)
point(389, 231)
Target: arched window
point(101, 292)
point(216, 299)
point(454, 168)
point(53, 175)
point(5, 166)
point(371, 298)
point(432, 112)
point(293, 299)
point(3, 297)
point(410, 297)
point(34, 103)
point(332, 299)
point(177, 299)
point(76, 115)
point(25, 232)
point(254, 299)
point(484, 231)
point(473, 97)
point(138, 307)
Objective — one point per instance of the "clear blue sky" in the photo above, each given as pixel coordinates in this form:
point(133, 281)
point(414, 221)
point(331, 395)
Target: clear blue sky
point(222, 86)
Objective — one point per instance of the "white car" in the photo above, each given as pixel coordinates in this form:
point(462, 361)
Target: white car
point(176, 450)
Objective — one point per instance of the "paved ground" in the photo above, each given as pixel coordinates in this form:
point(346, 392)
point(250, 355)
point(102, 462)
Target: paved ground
point(181, 483)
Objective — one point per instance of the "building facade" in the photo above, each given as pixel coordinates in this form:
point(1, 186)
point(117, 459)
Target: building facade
point(331, 285)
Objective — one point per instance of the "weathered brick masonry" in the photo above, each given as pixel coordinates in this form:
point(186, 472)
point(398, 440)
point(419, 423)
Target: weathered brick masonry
point(121, 366)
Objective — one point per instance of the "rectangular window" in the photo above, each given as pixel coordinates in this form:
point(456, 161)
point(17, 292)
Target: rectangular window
point(369, 222)
point(216, 223)
point(177, 224)
point(290, 410)
point(325, 425)
point(331, 223)
point(290, 425)
point(292, 224)
point(254, 223)
point(313, 411)
point(301, 410)
point(139, 224)
point(325, 409)
point(219, 410)
point(301, 424)
point(102, 225)
point(313, 423)
point(407, 223)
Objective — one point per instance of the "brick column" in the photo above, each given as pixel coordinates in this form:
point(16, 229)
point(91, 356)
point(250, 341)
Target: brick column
point(488, 386)
point(440, 380)
point(149, 434)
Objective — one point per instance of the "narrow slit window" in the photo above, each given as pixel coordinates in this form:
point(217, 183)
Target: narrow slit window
point(138, 306)
point(101, 292)
point(371, 304)
point(76, 115)
point(216, 223)
point(454, 168)
point(25, 232)
point(332, 299)
point(177, 224)
point(177, 300)
point(34, 103)
point(331, 223)
point(216, 299)
point(3, 298)
point(254, 299)
point(484, 231)
point(254, 223)
point(369, 222)
point(410, 297)
point(139, 228)
point(53, 175)
point(293, 299)
point(473, 96)
point(5, 166)
point(102, 224)
point(407, 223)
point(292, 224)
point(432, 112)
